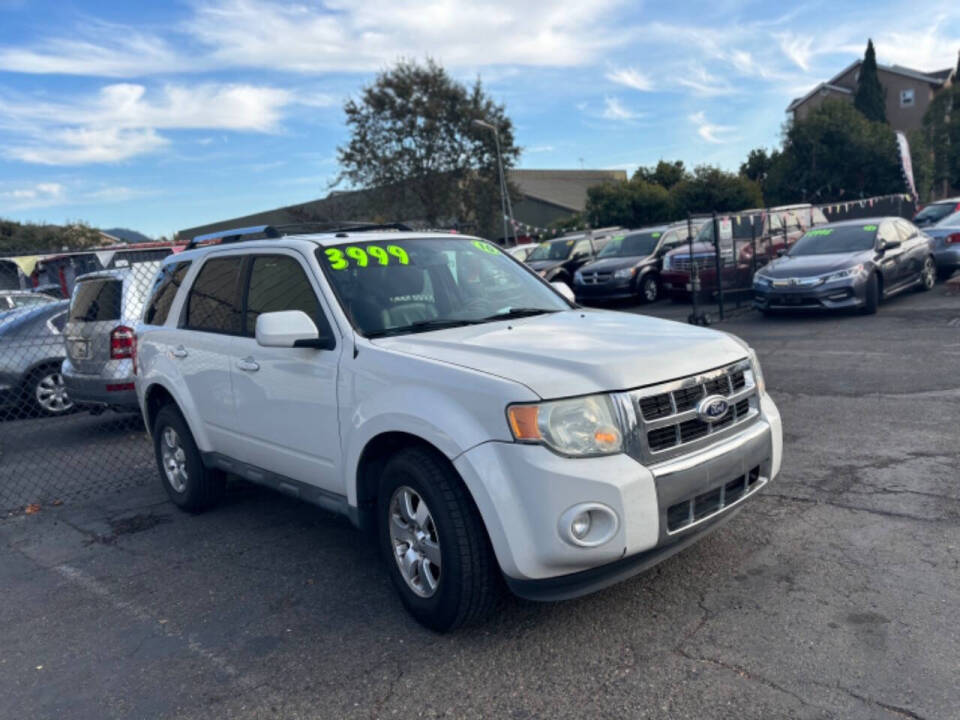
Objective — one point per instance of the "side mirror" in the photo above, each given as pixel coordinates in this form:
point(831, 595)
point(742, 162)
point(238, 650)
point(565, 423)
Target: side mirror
point(564, 289)
point(288, 329)
point(891, 244)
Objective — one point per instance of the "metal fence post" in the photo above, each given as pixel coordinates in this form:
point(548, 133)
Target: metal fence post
point(694, 274)
point(716, 258)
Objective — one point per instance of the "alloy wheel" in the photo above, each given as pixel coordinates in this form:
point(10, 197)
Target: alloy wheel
point(51, 394)
point(650, 289)
point(929, 274)
point(415, 542)
point(174, 459)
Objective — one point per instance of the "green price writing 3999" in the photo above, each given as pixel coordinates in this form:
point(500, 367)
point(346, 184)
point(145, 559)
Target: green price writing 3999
point(361, 257)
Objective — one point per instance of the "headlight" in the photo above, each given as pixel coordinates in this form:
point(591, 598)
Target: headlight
point(578, 277)
point(580, 426)
point(757, 372)
point(762, 280)
point(754, 362)
point(841, 274)
point(666, 262)
point(624, 274)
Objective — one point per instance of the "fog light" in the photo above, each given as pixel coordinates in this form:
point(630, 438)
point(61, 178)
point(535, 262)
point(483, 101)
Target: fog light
point(581, 525)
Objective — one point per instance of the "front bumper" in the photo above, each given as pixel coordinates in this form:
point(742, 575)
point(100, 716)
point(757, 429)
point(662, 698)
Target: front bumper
point(523, 490)
point(114, 387)
point(830, 296)
point(612, 290)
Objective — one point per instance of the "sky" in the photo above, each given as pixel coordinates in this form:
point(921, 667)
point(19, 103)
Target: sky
point(164, 115)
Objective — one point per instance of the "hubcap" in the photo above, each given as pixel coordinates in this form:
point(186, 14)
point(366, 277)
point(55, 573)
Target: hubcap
point(174, 459)
point(929, 273)
point(416, 545)
point(52, 395)
point(650, 289)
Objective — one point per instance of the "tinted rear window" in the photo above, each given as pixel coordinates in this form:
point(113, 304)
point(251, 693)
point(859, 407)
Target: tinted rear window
point(96, 300)
point(165, 289)
point(214, 303)
point(934, 212)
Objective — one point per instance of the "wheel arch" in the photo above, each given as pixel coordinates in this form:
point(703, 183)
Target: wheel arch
point(155, 396)
point(373, 458)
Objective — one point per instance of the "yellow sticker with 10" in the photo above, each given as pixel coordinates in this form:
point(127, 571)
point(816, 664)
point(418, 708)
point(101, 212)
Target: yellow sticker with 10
point(340, 258)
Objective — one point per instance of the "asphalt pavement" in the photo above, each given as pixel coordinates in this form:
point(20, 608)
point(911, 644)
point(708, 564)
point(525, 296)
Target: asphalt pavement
point(833, 594)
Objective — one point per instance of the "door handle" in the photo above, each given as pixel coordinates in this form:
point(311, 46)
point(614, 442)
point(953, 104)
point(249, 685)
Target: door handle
point(179, 352)
point(248, 364)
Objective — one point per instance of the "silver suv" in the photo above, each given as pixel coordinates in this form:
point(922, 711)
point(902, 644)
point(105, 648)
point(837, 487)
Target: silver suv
point(104, 309)
point(436, 391)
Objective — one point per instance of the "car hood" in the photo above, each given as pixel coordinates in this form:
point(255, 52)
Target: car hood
point(613, 263)
point(545, 264)
point(699, 248)
point(806, 265)
point(577, 352)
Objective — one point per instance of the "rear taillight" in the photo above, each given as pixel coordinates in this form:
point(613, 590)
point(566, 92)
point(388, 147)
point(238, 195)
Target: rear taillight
point(123, 343)
point(952, 239)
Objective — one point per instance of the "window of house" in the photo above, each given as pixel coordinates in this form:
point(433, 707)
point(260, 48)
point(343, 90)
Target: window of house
point(906, 98)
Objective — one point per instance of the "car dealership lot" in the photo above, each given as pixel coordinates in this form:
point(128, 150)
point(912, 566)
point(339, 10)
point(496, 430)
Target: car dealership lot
point(833, 595)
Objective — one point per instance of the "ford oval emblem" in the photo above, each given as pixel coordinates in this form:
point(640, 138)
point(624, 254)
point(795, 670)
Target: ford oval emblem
point(712, 408)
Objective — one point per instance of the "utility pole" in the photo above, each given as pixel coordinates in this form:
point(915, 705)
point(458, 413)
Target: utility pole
point(505, 207)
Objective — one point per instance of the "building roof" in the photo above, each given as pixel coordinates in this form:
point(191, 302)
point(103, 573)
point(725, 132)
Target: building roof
point(937, 78)
point(564, 188)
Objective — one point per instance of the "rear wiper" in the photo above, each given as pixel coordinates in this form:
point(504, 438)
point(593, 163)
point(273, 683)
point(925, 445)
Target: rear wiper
point(517, 312)
point(421, 326)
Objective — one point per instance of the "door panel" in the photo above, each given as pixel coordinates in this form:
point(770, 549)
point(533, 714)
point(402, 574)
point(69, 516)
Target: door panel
point(286, 398)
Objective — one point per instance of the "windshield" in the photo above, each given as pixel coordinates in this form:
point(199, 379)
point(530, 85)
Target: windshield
point(840, 239)
point(934, 213)
point(419, 284)
point(951, 220)
point(738, 226)
point(554, 250)
point(642, 243)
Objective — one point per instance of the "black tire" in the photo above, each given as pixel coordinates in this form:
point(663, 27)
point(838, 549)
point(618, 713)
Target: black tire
point(945, 273)
point(872, 295)
point(31, 393)
point(649, 288)
point(469, 582)
point(928, 275)
point(767, 312)
point(202, 487)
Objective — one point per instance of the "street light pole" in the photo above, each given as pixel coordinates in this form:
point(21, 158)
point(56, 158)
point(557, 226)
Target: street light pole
point(505, 208)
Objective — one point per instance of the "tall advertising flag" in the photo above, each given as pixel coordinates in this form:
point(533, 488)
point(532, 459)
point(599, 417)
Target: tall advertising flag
point(906, 164)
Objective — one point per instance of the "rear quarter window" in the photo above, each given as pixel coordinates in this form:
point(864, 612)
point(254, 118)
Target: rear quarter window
point(97, 300)
point(165, 288)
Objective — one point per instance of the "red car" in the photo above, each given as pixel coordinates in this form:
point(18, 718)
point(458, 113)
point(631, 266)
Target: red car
point(771, 231)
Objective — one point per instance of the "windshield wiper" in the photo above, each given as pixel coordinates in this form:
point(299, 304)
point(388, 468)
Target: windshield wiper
point(516, 312)
point(421, 326)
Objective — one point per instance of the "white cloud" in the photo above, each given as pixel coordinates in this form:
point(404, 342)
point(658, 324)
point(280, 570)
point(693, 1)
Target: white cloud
point(631, 78)
point(703, 83)
point(717, 134)
point(613, 109)
point(51, 194)
point(798, 48)
point(336, 36)
point(122, 120)
point(539, 149)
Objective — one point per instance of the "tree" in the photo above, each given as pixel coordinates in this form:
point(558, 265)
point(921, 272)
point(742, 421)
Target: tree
point(29, 239)
point(666, 174)
point(633, 203)
point(412, 135)
point(757, 165)
point(835, 153)
point(712, 189)
point(870, 98)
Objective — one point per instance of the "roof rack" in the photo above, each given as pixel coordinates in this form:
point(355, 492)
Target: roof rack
point(231, 235)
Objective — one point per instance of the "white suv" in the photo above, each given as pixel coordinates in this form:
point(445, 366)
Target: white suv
point(437, 392)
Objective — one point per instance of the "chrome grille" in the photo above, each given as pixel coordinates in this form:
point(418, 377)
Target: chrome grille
point(595, 278)
point(664, 420)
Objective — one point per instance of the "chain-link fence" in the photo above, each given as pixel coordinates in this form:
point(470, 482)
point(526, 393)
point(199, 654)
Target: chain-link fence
point(70, 427)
